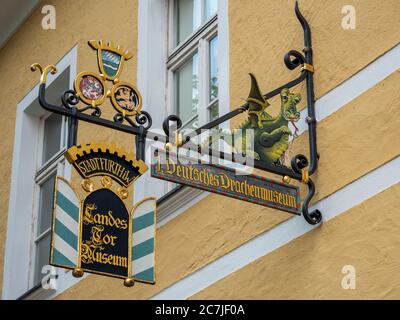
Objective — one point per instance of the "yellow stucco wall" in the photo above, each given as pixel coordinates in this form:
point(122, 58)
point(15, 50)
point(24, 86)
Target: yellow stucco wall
point(310, 267)
point(212, 228)
point(261, 32)
point(77, 22)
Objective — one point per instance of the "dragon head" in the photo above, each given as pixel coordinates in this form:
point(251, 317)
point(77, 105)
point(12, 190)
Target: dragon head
point(289, 102)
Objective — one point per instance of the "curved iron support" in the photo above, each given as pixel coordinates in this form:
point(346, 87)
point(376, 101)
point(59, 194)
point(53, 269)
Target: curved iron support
point(300, 163)
point(314, 217)
point(166, 126)
point(311, 119)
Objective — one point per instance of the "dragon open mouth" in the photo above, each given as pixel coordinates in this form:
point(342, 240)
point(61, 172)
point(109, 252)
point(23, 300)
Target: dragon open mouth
point(292, 118)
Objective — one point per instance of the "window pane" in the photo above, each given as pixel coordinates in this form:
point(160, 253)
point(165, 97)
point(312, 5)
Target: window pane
point(214, 69)
point(187, 79)
point(189, 18)
point(42, 257)
point(52, 136)
point(46, 205)
point(214, 111)
point(211, 8)
point(190, 125)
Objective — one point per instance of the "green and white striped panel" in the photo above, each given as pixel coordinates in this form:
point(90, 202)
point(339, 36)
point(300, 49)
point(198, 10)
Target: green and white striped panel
point(143, 241)
point(65, 226)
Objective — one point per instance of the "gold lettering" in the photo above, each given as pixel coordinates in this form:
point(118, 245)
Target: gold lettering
point(225, 181)
point(121, 261)
point(93, 164)
point(196, 176)
point(102, 163)
point(107, 239)
point(263, 193)
point(171, 166)
point(126, 176)
point(90, 255)
point(257, 191)
point(111, 166)
point(82, 168)
point(89, 217)
point(100, 219)
point(179, 171)
point(280, 201)
point(251, 191)
point(292, 202)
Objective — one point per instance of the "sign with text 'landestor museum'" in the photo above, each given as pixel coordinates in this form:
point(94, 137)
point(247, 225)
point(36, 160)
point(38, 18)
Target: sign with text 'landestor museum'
point(224, 181)
point(96, 232)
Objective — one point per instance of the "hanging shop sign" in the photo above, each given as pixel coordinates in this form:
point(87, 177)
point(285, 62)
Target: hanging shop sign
point(102, 231)
point(223, 180)
point(97, 233)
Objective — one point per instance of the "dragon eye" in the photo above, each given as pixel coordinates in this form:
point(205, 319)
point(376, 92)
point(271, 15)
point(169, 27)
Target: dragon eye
point(285, 98)
point(297, 99)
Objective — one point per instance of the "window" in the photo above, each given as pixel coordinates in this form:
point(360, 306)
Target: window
point(39, 144)
point(183, 69)
point(213, 108)
point(193, 62)
point(192, 14)
point(52, 136)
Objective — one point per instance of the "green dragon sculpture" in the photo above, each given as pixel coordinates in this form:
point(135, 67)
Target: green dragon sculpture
point(271, 134)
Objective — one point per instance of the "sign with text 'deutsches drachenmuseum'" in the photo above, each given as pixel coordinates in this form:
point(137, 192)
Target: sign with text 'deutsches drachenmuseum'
point(97, 231)
point(223, 180)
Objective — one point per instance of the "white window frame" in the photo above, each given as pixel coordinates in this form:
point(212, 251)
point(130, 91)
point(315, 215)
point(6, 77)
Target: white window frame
point(201, 44)
point(154, 48)
point(172, 25)
point(20, 261)
point(55, 165)
point(198, 41)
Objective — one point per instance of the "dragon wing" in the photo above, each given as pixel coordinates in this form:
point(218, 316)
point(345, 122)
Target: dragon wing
point(257, 104)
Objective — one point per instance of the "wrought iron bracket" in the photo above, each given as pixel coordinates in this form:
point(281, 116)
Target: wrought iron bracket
point(301, 167)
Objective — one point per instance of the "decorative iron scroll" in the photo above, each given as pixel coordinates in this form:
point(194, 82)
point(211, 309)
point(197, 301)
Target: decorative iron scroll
point(271, 133)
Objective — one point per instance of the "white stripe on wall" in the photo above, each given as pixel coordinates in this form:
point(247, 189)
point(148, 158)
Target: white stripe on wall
point(341, 201)
point(67, 192)
point(66, 220)
point(353, 87)
point(143, 263)
point(143, 235)
point(143, 209)
point(65, 248)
